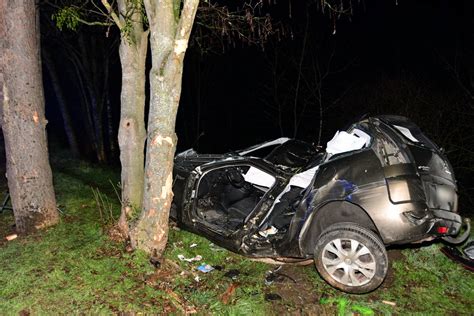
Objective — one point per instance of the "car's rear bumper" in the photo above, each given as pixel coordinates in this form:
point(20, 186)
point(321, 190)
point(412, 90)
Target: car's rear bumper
point(448, 226)
point(436, 223)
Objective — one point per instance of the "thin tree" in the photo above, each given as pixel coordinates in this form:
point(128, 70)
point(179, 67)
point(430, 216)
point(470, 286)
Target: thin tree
point(22, 116)
point(131, 135)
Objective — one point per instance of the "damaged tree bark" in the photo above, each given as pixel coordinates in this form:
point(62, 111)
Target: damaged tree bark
point(170, 27)
point(22, 117)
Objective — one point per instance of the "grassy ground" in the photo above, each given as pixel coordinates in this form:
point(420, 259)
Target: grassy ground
point(76, 267)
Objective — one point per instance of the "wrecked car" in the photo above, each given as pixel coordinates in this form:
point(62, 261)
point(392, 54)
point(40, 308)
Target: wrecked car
point(381, 182)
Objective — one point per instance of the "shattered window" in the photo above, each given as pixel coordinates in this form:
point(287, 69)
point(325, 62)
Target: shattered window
point(391, 152)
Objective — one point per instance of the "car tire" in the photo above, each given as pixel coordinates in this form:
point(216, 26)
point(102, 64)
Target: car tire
point(351, 258)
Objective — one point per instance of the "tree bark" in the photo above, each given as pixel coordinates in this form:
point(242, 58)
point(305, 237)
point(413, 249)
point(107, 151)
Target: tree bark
point(131, 135)
point(23, 122)
point(169, 40)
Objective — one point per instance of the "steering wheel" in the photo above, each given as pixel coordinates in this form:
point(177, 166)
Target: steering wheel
point(235, 178)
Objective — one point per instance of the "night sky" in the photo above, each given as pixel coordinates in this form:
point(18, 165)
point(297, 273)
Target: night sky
point(407, 43)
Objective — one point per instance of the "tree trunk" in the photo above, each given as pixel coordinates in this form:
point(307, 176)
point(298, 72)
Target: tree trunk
point(23, 122)
point(131, 135)
point(67, 123)
point(169, 40)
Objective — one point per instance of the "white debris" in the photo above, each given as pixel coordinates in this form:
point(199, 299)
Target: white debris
point(303, 179)
point(11, 237)
point(183, 258)
point(407, 133)
point(259, 177)
point(344, 142)
point(269, 231)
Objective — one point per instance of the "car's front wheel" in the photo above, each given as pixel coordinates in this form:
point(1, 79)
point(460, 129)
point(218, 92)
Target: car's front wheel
point(351, 258)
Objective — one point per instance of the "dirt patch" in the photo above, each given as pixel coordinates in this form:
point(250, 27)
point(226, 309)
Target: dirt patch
point(114, 233)
point(294, 293)
point(163, 278)
point(164, 275)
point(393, 255)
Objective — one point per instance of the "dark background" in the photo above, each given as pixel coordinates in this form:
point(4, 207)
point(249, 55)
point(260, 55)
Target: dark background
point(413, 58)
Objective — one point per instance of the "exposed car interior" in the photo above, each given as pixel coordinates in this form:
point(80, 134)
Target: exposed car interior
point(285, 205)
point(293, 154)
point(226, 196)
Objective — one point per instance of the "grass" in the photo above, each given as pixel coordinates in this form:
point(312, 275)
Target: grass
point(75, 268)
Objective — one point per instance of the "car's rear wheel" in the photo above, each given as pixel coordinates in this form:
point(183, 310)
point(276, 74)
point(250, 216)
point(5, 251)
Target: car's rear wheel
point(351, 258)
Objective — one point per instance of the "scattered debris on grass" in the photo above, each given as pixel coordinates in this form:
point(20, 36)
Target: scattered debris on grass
point(232, 274)
point(469, 249)
point(276, 276)
point(155, 262)
point(272, 297)
point(196, 258)
point(457, 256)
point(11, 237)
point(213, 247)
point(180, 303)
point(228, 293)
point(205, 268)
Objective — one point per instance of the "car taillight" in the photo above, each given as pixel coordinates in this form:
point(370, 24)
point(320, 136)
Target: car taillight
point(442, 230)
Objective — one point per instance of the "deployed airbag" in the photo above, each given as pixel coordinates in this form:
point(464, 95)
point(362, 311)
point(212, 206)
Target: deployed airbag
point(344, 142)
point(258, 177)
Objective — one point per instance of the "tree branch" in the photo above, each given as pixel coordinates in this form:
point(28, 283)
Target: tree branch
point(185, 25)
point(113, 14)
point(186, 20)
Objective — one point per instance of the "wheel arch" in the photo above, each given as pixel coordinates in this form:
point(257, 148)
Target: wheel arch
point(328, 214)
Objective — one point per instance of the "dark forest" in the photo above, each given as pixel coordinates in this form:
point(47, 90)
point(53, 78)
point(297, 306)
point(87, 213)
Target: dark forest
point(124, 228)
